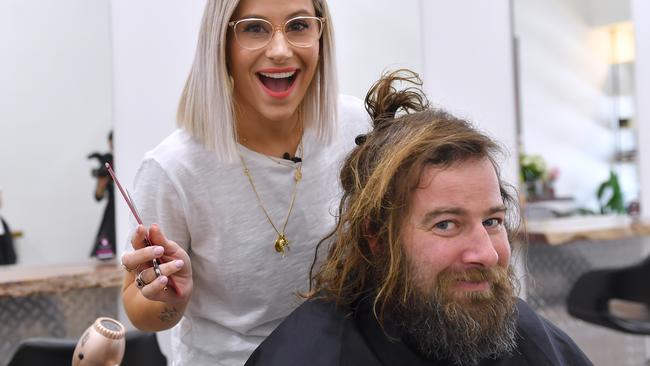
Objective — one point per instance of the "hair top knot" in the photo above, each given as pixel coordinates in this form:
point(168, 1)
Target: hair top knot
point(384, 100)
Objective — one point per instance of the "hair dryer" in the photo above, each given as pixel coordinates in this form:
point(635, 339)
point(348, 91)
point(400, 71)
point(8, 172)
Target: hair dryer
point(102, 344)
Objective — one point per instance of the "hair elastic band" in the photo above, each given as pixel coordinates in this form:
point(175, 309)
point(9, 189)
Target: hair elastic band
point(360, 139)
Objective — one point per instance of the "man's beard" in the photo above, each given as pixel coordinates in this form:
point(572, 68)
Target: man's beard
point(463, 327)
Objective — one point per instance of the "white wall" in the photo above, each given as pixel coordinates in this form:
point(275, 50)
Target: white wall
point(602, 12)
point(55, 108)
point(641, 18)
point(468, 66)
point(567, 115)
point(153, 47)
point(372, 38)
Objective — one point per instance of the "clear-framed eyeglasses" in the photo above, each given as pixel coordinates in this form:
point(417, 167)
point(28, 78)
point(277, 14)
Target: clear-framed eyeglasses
point(255, 33)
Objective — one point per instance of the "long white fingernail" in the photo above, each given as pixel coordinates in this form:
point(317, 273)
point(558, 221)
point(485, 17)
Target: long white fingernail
point(162, 280)
point(158, 250)
point(179, 263)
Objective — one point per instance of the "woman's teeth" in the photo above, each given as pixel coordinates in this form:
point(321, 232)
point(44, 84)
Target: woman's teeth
point(278, 75)
point(278, 81)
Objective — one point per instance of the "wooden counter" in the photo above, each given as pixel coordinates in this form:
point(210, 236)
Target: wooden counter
point(559, 231)
point(55, 301)
point(22, 280)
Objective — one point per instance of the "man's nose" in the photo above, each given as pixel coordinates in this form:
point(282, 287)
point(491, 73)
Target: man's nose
point(480, 250)
point(279, 48)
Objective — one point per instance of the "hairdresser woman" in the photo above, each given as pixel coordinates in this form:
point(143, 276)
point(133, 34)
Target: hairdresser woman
point(247, 185)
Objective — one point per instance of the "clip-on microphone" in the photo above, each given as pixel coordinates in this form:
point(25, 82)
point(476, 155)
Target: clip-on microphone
point(287, 156)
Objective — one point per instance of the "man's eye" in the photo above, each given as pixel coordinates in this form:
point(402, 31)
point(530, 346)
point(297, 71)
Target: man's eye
point(445, 225)
point(493, 222)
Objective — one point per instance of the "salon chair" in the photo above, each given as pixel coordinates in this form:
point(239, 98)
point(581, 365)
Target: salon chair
point(44, 351)
point(617, 298)
point(141, 350)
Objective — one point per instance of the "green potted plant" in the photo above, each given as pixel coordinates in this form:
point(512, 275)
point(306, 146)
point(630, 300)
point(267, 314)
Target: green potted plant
point(610, 195)
point(533, 173)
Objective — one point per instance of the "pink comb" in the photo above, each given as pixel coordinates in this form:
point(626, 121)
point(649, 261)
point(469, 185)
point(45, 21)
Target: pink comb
point(134, 211)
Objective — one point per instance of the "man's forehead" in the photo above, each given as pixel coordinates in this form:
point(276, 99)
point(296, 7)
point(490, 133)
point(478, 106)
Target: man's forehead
point(460, 188)
point(477, 172)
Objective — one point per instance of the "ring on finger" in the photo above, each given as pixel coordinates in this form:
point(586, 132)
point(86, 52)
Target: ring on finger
point(156, 269)
point(125, 267)
point(139, 281)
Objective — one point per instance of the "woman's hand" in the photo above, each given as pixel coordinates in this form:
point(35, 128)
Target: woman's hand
point(174, 262)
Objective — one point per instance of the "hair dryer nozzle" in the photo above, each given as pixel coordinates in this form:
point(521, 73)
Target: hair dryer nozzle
point(102, 344)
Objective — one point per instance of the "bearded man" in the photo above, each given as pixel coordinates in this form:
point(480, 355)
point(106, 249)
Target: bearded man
point(418, 270)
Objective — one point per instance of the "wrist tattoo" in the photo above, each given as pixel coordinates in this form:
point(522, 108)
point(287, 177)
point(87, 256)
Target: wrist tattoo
point(168, 314)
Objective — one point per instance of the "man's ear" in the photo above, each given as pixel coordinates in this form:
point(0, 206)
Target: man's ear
point(372, 243)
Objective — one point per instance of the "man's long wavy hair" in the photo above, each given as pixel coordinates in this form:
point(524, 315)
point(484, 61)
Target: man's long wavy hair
point(378, 180)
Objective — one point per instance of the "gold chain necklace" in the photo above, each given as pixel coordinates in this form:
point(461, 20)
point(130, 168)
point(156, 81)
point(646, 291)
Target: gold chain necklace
point(281, 242)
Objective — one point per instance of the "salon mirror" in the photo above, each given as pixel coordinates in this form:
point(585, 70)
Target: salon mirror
point(576, 102)
point(55, 109)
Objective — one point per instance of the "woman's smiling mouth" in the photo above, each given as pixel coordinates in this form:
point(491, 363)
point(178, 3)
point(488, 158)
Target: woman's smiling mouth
point(278, 83)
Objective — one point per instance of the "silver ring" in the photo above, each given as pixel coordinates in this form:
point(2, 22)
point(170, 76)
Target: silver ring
point(156, 269)
point(139, 281)
point(127, 268)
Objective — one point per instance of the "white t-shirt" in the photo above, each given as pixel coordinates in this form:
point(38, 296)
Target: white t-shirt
point(243, 288)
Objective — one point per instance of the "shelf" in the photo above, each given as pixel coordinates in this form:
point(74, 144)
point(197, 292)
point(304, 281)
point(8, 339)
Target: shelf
point(626, 156)
point(23, 280)
point(558, 231)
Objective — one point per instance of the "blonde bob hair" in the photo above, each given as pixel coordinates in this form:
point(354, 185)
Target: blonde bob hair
point(206, 105)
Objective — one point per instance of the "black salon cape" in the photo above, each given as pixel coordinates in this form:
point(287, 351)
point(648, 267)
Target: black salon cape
point(317, 334)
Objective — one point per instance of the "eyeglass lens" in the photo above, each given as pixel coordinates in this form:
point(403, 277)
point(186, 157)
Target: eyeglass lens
point(256, 33)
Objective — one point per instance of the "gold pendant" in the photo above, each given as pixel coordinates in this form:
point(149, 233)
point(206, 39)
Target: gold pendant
point(298, 175)
point(281, 243)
